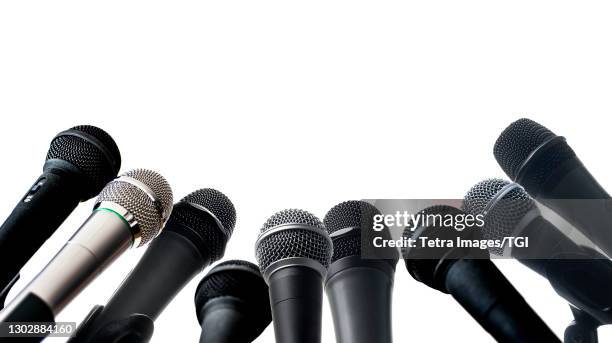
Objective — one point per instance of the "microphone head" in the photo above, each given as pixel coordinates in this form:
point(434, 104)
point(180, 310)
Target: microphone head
point(91, 151)
point(293, 233)
point(426, 264)
point(240, 280)
point(517, 142)
point(503, 203)
point(146, 195)
point(207, 218)
point(345, 221)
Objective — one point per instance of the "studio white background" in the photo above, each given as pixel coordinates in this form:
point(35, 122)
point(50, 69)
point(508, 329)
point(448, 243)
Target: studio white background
point(283, 104)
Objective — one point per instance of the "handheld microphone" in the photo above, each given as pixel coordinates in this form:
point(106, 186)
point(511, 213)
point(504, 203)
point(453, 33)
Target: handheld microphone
point(579, 275)
point(550, 171)
point(79, 163)
point(474, 281)
point(195, 236)
point(129, 211)
point(293, 252)
point(359, 290)
point(232, 303)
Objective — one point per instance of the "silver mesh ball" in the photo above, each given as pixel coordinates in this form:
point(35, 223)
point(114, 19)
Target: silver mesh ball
point(502, 219)
point(291, 241)
point(149, 215)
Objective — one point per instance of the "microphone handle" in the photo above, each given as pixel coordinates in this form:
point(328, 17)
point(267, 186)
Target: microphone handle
point(224, 321)
point(580, 275)
point(494, 303)
point(359, 293)
point(296, 299)
point(572, 192)
point(48, 202)
point(99, 241)
point(169, 263)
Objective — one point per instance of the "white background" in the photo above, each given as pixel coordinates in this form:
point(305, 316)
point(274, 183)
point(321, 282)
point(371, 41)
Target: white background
point(304, 104)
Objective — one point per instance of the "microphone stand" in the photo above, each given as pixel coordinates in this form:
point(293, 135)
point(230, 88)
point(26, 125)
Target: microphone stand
point(137, 328)
point(583, 329)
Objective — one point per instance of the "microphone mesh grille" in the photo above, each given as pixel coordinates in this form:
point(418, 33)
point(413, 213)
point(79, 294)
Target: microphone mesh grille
point(517, 142)
point(293, 242)
point(88, 157)
point(349, 214)
point(502, 219)
point(148, 214)
point(211, 238)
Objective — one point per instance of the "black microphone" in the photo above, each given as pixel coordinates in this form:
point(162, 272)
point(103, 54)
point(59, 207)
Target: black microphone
point(473, 280)
point(359, 290)
point(232, 303)
point(550, 171)
point(293, 252)
point(129, 211)
point(194, 237)
point(79, 163)
point(578, 274)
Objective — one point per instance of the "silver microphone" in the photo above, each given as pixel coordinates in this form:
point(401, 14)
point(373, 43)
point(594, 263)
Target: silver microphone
point(130, 211)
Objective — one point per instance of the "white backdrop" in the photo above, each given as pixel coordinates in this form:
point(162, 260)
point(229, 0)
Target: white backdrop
point(304, 104)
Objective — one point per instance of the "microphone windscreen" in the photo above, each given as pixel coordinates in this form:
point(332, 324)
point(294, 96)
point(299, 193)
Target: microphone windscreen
point(210, 216)
point(92, 151)
point(504, 204)
point(240, 280)
point(146, 195)
point(293, 233)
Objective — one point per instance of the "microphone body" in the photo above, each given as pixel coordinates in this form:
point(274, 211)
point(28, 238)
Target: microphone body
point(547, 167)
point(293, 252)
point(79, 163)
point(360, 293)
point(224, 321)
point(494, 303)
point(296, 299)
point(232, 303)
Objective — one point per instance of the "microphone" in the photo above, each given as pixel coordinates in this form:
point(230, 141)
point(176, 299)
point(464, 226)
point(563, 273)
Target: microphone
point(550, 171)
point(578, 274)
point(195, 236)
point(293, 252)
point(129, 211)
point(79, 163)
point(470, 277)
point(359, 290)
point(232, 303)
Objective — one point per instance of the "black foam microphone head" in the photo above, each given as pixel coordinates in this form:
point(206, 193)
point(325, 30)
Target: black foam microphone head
point(350, 225)
point(517, 144)
point(427, 264)
point(207, 217)
point(91, 152)
point(504, 204)
point(293, 233)
point(240, 280)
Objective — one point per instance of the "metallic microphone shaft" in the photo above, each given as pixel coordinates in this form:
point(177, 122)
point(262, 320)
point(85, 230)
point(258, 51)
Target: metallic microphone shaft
point(100, 240)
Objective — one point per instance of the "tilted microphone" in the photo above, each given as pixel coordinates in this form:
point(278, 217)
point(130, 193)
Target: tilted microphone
point(580, 275)
point(79, 163)
point(129, 211)
point(195, 236)
point(474, 281)
point(550, 171)
point(359, 290)
point(293, 252)
point(232, 303)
